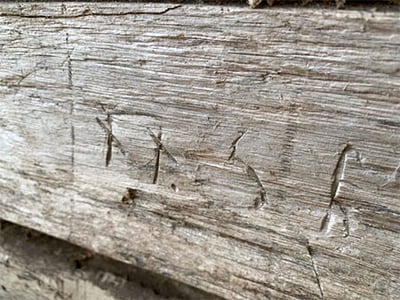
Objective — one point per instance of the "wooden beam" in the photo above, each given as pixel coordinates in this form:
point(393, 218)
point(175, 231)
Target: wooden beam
point(36, 266)
point(251, 153)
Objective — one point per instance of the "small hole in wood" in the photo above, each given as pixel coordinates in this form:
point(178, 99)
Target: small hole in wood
point(129, 196)
point(78, 264)
point(3, 288)
point(174, 187)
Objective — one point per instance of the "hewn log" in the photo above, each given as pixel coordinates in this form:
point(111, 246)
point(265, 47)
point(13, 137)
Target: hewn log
point(36, 266)
point(251, 153)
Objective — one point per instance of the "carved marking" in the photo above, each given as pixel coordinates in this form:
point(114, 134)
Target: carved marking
point(235, 143)
point(157, 141)
point(311, 253)
point(262, 199)
point(110, 138)
point(338, 173)
point(158, 155)
point(337, 178)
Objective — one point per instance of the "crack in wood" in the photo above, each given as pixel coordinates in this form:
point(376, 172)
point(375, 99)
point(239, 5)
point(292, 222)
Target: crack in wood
point(314, 268)
point(69, 63)
point(72, 128)
point(87, 12)
point(72, 147)
point(235, 143)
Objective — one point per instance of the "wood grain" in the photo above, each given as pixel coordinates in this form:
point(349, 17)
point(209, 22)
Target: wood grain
point(243, 105)
point(36, 266)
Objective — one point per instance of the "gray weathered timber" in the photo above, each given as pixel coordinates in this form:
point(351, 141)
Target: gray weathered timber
point(35, 266)
point(251, 153)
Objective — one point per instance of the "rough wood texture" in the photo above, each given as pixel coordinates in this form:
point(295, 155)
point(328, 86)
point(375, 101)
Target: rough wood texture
point(36, 266)
point(251, 153)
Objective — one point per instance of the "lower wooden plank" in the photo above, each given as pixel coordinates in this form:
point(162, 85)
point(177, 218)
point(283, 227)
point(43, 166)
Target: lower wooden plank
point(36, 266)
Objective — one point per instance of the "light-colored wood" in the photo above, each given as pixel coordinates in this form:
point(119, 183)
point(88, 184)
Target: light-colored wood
point(276, 133)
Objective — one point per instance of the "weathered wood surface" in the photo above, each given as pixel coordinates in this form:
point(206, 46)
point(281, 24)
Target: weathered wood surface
point(36, 266)
point(312, 94)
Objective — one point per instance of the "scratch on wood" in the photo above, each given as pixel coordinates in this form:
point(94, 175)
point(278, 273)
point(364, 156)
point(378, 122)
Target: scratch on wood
point(110, 138)
point(262, 199)
point(337, 178)
point(235, 143)
point(314, 267)
point(27, 74)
